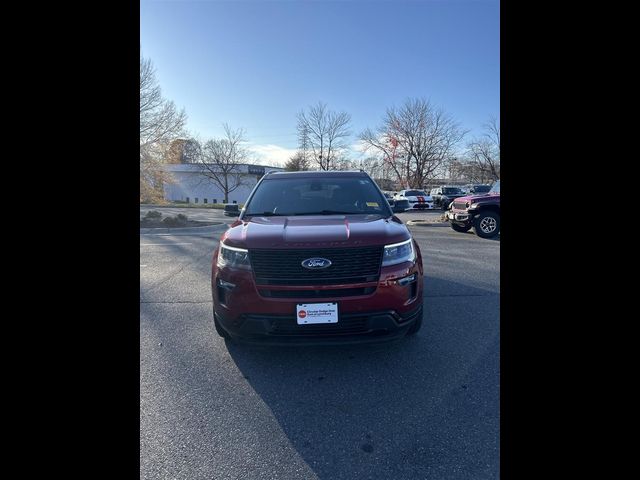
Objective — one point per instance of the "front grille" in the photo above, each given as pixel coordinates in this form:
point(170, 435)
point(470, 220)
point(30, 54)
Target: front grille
point(460, 205)
point(284, 267)
point(331, 293)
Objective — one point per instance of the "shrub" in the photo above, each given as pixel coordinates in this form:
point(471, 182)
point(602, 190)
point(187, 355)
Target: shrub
point(153, 214)
point(178, 221)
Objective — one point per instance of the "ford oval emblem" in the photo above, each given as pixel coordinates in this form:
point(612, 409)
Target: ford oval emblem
point(316, 263)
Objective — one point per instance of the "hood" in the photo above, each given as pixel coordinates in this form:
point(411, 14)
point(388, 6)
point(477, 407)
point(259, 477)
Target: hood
point(480, 197)
point(324, 231)
point(453, 195)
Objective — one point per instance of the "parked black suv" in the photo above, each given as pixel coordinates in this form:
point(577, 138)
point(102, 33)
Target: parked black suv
point(231, 210)
point(476, 189)
point(443, 196)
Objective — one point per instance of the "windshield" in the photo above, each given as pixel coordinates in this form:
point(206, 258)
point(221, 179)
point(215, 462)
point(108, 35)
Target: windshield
point(451, 191)
point(496, 187)
point(317, 196)
point(481, 188)
point(415, 193)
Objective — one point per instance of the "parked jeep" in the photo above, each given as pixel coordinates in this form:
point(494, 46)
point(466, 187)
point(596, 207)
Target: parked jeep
point(482, 212)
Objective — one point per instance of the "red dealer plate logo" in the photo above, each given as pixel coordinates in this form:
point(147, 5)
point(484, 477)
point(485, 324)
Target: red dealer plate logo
point(302, 314)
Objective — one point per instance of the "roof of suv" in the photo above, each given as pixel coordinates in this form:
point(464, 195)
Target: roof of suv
point(318, 173)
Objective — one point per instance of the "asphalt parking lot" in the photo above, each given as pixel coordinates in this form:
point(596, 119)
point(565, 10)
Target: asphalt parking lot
point(424, 407)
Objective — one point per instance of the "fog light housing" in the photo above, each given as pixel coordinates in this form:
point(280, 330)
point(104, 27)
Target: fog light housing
point(226, 285)
point(407, 280)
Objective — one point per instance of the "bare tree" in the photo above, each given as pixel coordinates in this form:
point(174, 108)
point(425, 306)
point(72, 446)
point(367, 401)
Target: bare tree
point(415, 140)
point(484, 152)
point(370, 164)
point(323, 134)
point(220, 161)
point(297, 163)
point(160, 124)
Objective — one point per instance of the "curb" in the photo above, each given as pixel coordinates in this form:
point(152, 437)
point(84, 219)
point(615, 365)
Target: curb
point(183, 230)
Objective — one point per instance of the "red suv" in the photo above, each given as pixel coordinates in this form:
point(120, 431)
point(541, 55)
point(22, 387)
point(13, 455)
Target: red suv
point(316, 257)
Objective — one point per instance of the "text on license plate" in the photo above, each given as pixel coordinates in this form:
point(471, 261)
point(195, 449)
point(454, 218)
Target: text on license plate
point(308, 313)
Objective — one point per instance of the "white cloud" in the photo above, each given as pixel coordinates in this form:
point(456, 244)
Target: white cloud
point(358, 148)
point(271, 155)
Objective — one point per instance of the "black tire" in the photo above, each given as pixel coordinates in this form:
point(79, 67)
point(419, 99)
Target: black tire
point(460, 228)
point(413, 329)
point(221, 331)
point(487, 224)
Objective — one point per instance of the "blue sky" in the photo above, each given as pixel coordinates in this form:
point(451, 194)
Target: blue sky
point(256, 63)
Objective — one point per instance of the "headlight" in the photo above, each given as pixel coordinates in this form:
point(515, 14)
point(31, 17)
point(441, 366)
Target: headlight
point(233, 257)
point(472, 205)
point(398, 253)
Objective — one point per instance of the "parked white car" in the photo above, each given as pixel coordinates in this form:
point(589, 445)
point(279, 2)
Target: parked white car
point(418, 199)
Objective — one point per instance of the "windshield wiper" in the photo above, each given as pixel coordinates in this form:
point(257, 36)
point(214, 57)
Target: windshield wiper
point(329, 212)
point(264, 214)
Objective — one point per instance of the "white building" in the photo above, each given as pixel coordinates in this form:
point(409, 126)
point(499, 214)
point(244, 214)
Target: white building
point(189, 185)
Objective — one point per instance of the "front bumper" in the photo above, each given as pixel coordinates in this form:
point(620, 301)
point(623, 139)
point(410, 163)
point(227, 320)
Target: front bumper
point(367, 312)
point(354, 328)
point(420, 205)
point(459, 216)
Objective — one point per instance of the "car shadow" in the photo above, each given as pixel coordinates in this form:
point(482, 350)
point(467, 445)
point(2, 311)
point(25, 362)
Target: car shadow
point(473, 233)
point(426, 406)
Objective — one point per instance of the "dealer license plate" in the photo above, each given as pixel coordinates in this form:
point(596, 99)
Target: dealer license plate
point(308, 313)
